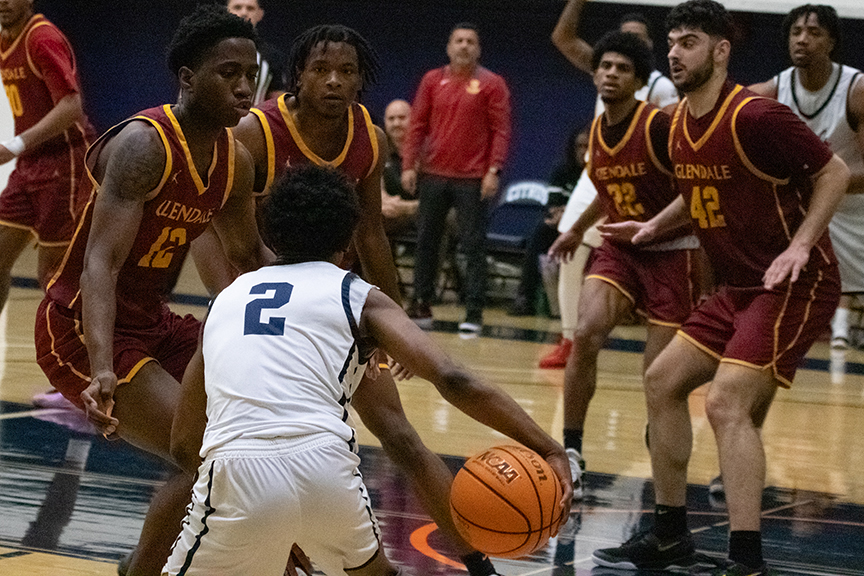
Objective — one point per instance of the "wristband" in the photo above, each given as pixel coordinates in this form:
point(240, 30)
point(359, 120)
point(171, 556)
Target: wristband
point(16, 145)
point(383, 366)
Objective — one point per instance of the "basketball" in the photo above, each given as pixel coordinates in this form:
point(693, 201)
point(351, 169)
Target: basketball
point(505, 501)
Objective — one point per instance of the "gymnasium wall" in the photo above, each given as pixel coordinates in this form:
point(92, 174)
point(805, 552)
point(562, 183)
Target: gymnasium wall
point(121, 47)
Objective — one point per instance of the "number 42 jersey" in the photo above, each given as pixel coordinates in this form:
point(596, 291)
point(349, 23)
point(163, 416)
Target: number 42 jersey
point(282, 354)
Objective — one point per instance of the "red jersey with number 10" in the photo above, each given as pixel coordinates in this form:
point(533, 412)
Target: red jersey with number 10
point(285, 145)
point(743, 217)
point(176, 212)
point(38, 70)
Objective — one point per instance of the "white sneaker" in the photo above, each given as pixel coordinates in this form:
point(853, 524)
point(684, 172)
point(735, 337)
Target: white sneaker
point(577, 468)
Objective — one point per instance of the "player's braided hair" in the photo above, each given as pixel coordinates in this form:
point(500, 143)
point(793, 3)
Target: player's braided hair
point(310, 214)
point(200, 31)
point(706, 15)
point(827, 17)
point(367, 58)
point(629, 45)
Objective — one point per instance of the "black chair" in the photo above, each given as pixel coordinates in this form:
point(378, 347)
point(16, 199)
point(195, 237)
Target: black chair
point(511, 223)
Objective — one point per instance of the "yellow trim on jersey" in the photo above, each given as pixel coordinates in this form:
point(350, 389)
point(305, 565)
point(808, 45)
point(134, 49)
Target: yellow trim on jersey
point(627, 135)
point(663, 323)
point(54, 353)
point(676, 118)
point(720, 114)
point(699, 345)
point(27, 48)
point(615, 285)
point(135, 369)
point(193, 171)
point(298, 139)
point(229, 184)
point(169, 157)
point(650, 145)
point(373, 139)
point(18, 226)
point(5, 53)
point(738, 148)
point(271, 147)
point(781, 381)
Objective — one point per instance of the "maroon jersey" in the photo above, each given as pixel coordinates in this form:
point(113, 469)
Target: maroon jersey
point(743, 216)
point(631, 182)
point(38, 71)
point(176, 212)
point(285, 145)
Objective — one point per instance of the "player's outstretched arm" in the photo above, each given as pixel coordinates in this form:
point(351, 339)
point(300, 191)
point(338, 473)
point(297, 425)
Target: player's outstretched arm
point(829, 186)
point(129, 167)
point(673, 216)
point(391, 328)
point(65, 114)
point(568, 242)
point(369, 237)
point(566, 38)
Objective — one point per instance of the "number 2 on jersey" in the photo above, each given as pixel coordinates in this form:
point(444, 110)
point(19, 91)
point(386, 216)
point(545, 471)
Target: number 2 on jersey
point(276, 325)
point(708, 214)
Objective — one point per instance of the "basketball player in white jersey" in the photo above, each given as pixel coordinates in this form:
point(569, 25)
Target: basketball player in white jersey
point(658, 90)
point(829, 97)
point(284, 349)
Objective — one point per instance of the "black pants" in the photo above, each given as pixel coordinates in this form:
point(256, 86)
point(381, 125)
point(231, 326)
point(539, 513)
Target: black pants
point(437, 195)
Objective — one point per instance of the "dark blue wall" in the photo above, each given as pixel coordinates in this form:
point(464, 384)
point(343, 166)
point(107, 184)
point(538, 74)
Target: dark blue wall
point(121, 46)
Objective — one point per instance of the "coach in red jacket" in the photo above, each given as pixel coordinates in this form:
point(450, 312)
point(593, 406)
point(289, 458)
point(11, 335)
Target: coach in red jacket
point(457, 142)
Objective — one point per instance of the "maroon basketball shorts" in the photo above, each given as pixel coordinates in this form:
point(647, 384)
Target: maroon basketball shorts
point(662, 285)
point(42, 195)
point(765, 328)
point(61, 352)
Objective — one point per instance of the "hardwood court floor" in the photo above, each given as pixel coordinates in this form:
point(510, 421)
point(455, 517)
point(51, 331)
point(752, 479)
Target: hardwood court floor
point(72, 503)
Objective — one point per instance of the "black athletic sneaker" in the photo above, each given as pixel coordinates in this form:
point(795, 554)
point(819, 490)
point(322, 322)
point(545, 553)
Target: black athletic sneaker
point(645, 551)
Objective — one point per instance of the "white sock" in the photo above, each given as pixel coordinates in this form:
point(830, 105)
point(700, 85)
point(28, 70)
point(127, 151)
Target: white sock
point(840, 324)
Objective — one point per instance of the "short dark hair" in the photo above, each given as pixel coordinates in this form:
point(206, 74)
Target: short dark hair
point(635, 17)
point(310, 214)
point(828, 19)
point(367, 58)
point(466, 26)
point(200, 31)
point(629, 45)
point(706, 15)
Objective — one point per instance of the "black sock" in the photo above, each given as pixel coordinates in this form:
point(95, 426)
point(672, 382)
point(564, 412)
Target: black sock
point(745, 547)
point(670, 521)
point(478, 564)
point(573, 439)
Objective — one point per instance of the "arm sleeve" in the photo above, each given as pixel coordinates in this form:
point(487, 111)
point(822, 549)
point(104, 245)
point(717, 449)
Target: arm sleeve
point(418, 127)
point(52, 56)
point(779, 143)
point(499, 123)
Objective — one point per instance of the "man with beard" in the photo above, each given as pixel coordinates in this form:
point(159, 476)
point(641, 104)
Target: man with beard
point(761, 213)
point(629, 164)
point(829, 98)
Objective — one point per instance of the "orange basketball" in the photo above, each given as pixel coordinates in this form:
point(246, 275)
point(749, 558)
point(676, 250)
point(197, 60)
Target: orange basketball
point(505, 501)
